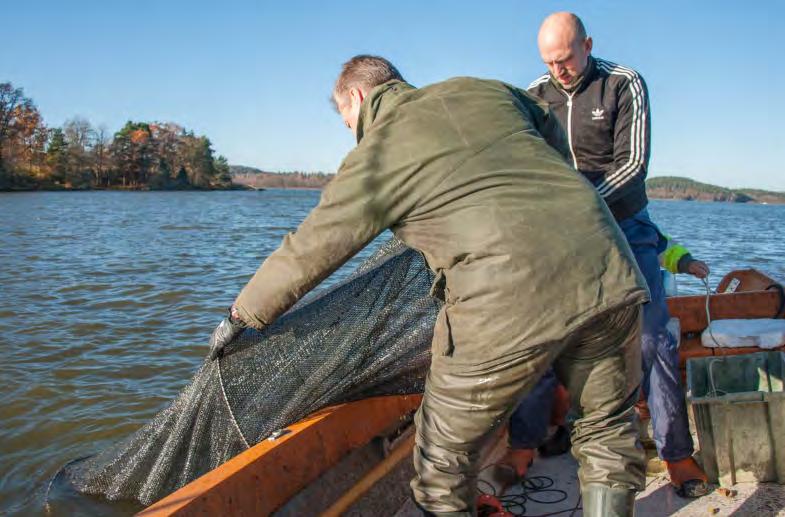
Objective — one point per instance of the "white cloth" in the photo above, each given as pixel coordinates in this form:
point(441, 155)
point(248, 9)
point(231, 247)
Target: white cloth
point(763, 333)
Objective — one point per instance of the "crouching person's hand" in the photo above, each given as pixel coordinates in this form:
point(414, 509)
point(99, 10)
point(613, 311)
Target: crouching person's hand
point(698, 268)
point(225, 333)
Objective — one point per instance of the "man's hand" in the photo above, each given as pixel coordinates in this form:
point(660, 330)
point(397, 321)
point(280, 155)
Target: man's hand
point(698, 269)
point(224, 333)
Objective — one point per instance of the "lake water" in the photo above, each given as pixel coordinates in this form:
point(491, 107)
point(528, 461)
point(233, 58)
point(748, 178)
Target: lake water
point(107, 300)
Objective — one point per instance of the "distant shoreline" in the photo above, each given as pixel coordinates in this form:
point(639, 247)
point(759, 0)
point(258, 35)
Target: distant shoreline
point(762, 203)
point(651, 196)
point(234, 187)
point(686, 189)
point(662, 188)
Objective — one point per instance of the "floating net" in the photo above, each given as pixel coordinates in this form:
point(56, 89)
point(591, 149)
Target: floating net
point(366, 336)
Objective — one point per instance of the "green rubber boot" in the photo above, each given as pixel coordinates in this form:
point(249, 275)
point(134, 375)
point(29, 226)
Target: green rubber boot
point(604, 501)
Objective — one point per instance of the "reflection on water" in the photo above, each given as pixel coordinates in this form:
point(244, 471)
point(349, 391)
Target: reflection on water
point(107, 300)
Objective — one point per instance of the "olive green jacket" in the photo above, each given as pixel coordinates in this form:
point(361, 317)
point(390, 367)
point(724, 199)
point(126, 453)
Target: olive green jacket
point(523, 248)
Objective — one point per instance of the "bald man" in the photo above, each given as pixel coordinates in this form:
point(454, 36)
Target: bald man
point(604, 108)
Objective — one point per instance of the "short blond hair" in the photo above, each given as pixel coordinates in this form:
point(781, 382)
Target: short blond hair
point(364, 71)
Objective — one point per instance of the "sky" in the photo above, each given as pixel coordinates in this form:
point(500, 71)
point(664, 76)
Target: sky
point(255, 77)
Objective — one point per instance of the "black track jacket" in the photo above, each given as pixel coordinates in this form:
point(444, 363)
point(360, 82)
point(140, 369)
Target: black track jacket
point(606, 118)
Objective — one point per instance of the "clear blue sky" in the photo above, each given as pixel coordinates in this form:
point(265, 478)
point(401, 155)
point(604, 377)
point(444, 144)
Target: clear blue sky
point(255, 76)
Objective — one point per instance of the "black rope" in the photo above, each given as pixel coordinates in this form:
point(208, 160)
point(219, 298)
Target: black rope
point(781, 291)
point(535, 489)
point(53, 479)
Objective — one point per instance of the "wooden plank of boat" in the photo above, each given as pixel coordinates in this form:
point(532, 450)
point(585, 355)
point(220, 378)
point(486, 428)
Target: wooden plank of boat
point(691, 310)
point(261, 479)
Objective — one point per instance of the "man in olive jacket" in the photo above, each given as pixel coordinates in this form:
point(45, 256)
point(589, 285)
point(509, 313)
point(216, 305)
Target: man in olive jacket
point(604, 108)
point(528, 261)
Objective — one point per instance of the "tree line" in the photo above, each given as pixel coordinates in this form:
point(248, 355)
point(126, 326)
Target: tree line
point(256, 178)
point(141, 155)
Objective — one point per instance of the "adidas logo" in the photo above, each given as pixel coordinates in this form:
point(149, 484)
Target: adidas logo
point(597, 114)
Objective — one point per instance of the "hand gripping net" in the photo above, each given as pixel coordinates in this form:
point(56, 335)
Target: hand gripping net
point(368, 335)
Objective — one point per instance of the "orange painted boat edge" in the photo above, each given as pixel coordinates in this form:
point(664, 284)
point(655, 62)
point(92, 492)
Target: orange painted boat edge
point(260, 480)
point(263, 478)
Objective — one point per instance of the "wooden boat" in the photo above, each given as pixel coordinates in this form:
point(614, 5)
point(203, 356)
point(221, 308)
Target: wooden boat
point(342, 456)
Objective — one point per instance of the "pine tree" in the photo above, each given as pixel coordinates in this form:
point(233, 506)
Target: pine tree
point(57, 156)
point(223, 176)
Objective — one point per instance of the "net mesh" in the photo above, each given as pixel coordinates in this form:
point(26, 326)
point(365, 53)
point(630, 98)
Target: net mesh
point(368, 335)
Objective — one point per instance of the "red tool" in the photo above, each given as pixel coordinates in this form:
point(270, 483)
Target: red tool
point(490, 506)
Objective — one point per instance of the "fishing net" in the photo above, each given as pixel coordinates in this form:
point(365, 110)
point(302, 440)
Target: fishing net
point(368, 335)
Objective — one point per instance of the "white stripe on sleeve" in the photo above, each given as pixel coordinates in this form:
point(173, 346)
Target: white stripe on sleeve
point(637, 130)
point(538, 81)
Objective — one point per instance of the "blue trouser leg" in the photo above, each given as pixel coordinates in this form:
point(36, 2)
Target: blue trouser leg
point(661, 383)
point(529, 422)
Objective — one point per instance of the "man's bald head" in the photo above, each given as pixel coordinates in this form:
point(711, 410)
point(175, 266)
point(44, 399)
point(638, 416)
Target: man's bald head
point(564, 47)
point(562, 25)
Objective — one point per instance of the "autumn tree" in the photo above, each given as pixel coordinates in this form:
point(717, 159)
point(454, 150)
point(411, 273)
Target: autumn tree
point(79, 136)
point(167, 138)
point(132, 153)
point(101, 157)
point(21, 142)
point(11, 100)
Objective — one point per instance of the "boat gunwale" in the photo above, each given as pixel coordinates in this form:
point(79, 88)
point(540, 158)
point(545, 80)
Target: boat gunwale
point(323, 438)
point(277, 469)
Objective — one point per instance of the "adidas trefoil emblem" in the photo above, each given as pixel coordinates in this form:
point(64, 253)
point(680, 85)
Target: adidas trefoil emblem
point(597, 114)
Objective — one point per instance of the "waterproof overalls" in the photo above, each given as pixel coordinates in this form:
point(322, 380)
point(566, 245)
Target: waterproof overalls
point(661, 382)
point(528, 261)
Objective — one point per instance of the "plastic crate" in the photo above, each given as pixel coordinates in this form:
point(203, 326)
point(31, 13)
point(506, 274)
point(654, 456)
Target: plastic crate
point(739, 407)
